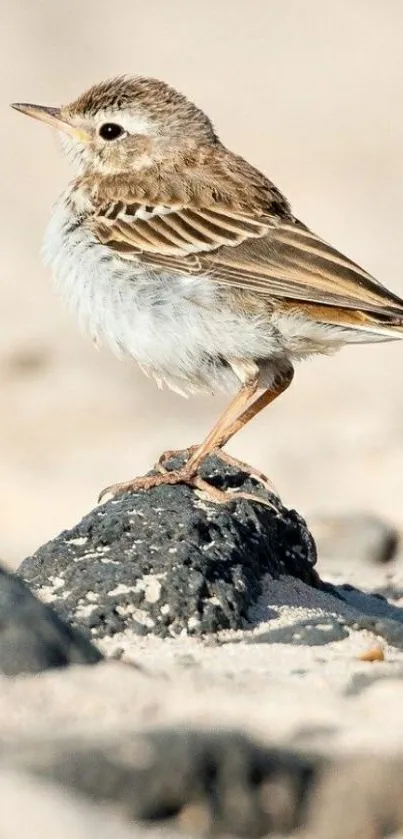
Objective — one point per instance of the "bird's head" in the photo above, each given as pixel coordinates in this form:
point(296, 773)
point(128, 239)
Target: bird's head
point(125, 123)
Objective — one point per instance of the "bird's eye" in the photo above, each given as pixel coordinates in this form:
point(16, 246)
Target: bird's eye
point(110, 131)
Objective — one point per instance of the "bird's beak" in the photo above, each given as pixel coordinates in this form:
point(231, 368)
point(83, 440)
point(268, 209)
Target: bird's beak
point(53, 117)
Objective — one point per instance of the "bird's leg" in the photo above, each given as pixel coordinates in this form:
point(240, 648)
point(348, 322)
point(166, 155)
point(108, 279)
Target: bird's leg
point(170, 454)
point(248, 373)
point(257, 401)
point(246, 403)
point(188, 474)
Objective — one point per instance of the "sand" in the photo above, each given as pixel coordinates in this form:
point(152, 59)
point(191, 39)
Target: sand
point(279, 692)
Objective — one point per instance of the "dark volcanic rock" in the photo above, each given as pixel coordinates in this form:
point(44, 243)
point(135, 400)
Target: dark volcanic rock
point(32, 636)
point(166, 561)
point(208, 783)
point(220, 783)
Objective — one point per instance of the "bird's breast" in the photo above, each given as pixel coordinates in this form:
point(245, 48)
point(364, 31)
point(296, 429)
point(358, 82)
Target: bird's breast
point(177, 327)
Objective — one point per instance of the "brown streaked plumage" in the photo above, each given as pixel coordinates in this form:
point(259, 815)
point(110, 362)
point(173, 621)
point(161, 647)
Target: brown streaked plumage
point(218, 206)
point(187, 258)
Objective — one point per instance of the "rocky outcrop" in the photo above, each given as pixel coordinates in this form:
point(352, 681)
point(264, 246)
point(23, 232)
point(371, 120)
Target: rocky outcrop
point(166, 561)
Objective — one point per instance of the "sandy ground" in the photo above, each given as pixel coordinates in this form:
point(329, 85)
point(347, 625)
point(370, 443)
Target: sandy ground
point(311, 93)
point(316, 697)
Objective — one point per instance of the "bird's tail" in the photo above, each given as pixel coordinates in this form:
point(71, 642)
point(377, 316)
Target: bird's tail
point(361, 326)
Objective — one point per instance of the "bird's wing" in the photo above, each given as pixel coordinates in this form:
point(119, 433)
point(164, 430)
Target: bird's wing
point(292, 263)
point(170, 235)
point(252, 242)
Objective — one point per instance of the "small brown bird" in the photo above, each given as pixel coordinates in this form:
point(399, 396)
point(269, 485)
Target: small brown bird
point(186, 258)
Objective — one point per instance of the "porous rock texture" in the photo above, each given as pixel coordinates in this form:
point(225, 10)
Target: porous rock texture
point(167, 561)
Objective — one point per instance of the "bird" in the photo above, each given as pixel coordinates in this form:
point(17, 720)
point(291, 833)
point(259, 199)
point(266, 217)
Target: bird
point(181, 255)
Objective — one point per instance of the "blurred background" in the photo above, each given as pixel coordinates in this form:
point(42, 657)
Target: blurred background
point(309, 92)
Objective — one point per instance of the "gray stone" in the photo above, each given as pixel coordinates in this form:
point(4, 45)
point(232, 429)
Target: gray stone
point(167, 562)
point(206, 783)
point(358, 536)
point(32, 636)
point(216, 784)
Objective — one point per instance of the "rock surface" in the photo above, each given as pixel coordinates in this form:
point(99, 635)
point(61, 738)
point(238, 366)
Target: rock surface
point(32, 636)
point(207, 782)
point(204, 784)
point(167, 561)
point(242, 676)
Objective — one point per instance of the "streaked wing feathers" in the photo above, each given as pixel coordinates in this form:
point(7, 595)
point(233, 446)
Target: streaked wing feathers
point(182, 231)
point(293, 263)
point(263, 254)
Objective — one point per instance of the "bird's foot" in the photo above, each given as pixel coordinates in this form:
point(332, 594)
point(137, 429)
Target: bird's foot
point(170, 454)
point(145, 482)
point(185, 475)
point(249, 470)
point(224, 457)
